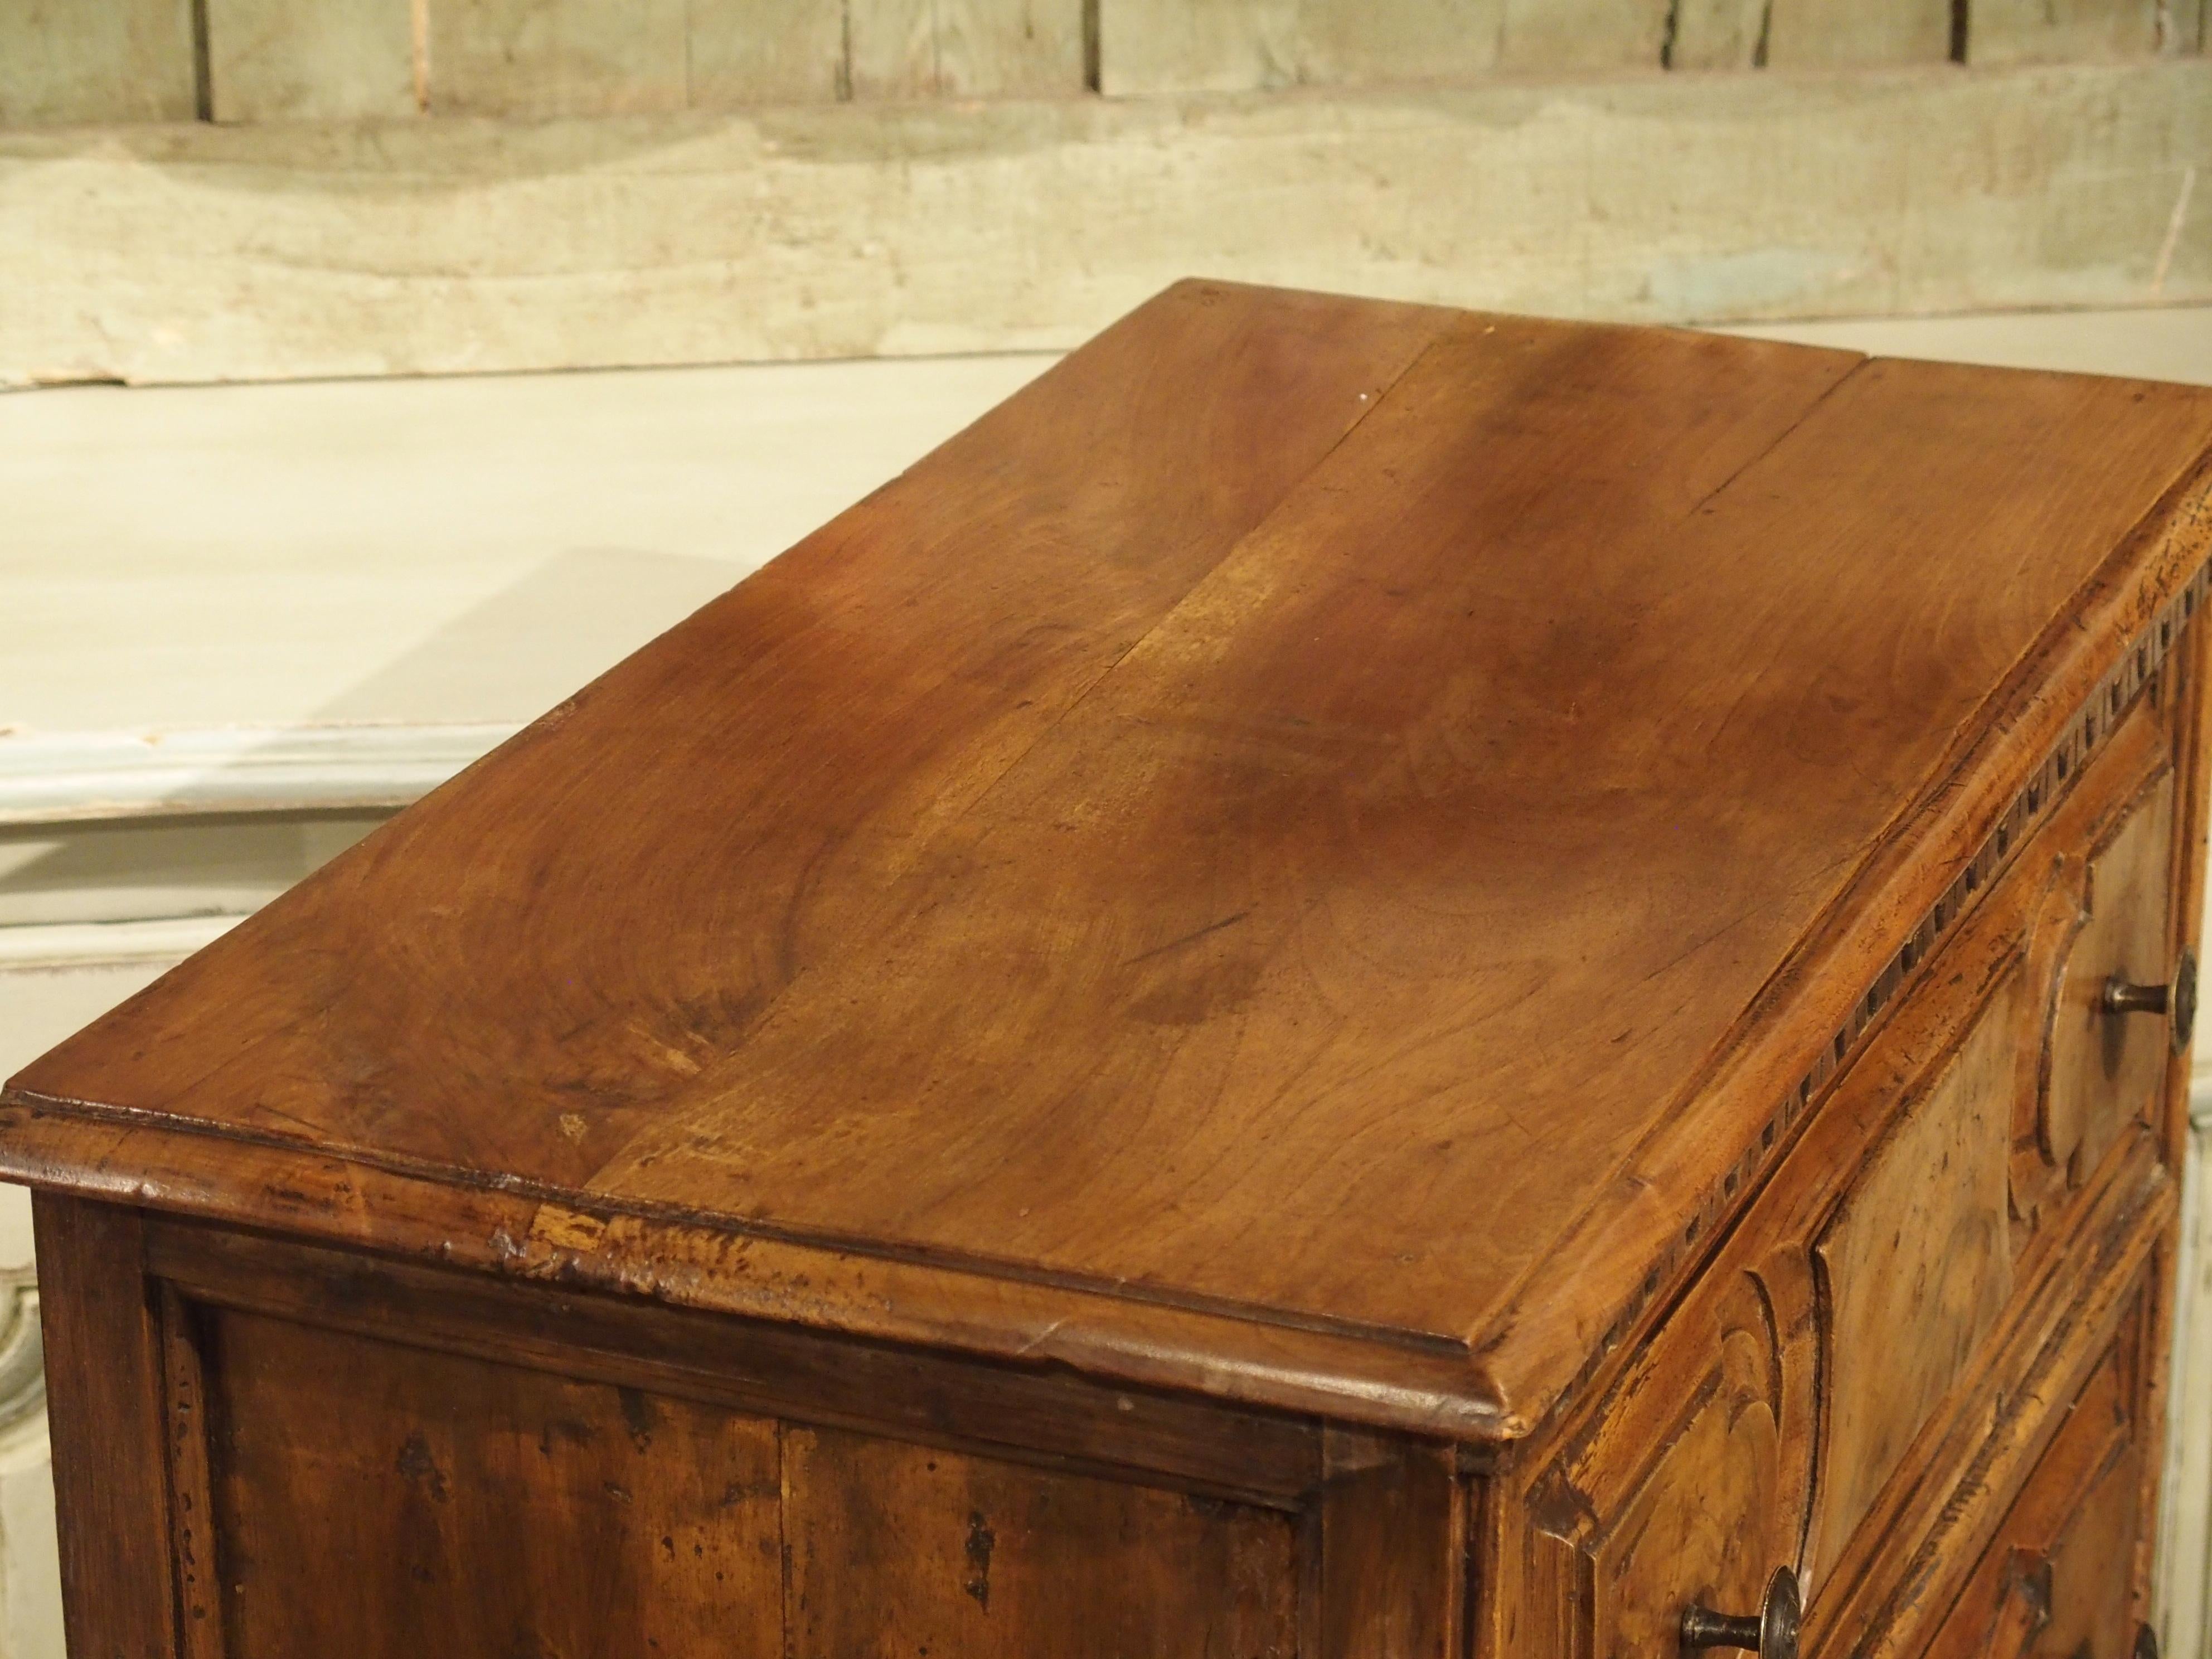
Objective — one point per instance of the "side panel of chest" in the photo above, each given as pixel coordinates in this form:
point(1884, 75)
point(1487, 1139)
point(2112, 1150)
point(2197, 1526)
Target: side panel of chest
point(333, 1454)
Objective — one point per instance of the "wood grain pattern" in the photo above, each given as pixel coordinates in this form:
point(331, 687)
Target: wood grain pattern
point(1769, 1088)
point(1916, 1264)
point(105, 1407)
point(484, 1510)
point(2058, 1582)
point(62, 63)
point(1995, 1386)
point(2077, 1266)
point(310, 60)
point(1717, 1501)
point(1388, 1571)
point(331, 250)
point(897, 1549)
point(1356, 981)
point(2102, 1071)
point(1037, 1414)
point(1122, 1027)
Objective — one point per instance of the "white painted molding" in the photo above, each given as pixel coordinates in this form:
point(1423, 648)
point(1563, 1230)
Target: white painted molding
point(65, 945)
point(22, 1349)
point(73, 776)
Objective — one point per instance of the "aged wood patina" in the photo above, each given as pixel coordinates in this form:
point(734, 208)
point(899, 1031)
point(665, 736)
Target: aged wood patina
point(1358, 980)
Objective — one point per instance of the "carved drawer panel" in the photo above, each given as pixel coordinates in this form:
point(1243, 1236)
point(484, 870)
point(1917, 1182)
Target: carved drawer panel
point(495, 1509)
point(1832, 1386)
point(1916, 1263)
point(2055, 1582)
point(1694, 1482)
point(2106, 925)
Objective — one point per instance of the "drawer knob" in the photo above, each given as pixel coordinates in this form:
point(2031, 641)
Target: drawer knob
point(1771, 1632)
point(2178, 999)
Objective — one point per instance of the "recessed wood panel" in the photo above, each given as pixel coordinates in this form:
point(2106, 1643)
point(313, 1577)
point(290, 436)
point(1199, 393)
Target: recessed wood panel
point(2104, 1070)
point(385, 1503)
point(898, 1551)
point(1707, 1447)
point(1689, 1484)
point(2058, 1582)
point(1917, 1264)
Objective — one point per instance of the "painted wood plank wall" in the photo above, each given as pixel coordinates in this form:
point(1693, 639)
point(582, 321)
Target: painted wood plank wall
point(201, 253)
point(66, 62)
point(208, 189)
point(116, 60)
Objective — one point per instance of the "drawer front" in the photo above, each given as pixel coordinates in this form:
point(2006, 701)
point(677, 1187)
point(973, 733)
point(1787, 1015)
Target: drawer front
point(1827, 1395)
point(1916, 1263)
point(2058, 1580)
point(2106, 925)
point(1692, 1486)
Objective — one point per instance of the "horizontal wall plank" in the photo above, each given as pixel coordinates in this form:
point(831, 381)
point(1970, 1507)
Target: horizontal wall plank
point(766, 52)
point(965, 48)
point(1544, 35)
point(1834, 33)
point(64, 61)
point(537, 58)
point(307, 60)
point(1148, 46)
point(205, 253)
point(2067, 30)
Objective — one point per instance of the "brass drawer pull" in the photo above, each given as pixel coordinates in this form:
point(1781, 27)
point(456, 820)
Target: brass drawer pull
point(2179, 999)
point(1771, 1632)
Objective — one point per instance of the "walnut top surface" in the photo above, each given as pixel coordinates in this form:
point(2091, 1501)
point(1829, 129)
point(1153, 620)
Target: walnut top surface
point(1316, 833)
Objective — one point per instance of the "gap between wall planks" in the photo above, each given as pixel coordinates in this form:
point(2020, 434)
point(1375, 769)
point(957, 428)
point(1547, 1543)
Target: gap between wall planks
point(195, 253)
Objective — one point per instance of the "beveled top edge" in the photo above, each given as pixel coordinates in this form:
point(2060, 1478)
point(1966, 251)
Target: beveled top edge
point(1374, 1378)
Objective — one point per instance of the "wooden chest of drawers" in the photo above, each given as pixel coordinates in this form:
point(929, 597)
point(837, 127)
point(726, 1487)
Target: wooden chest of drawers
point(1358, 981)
